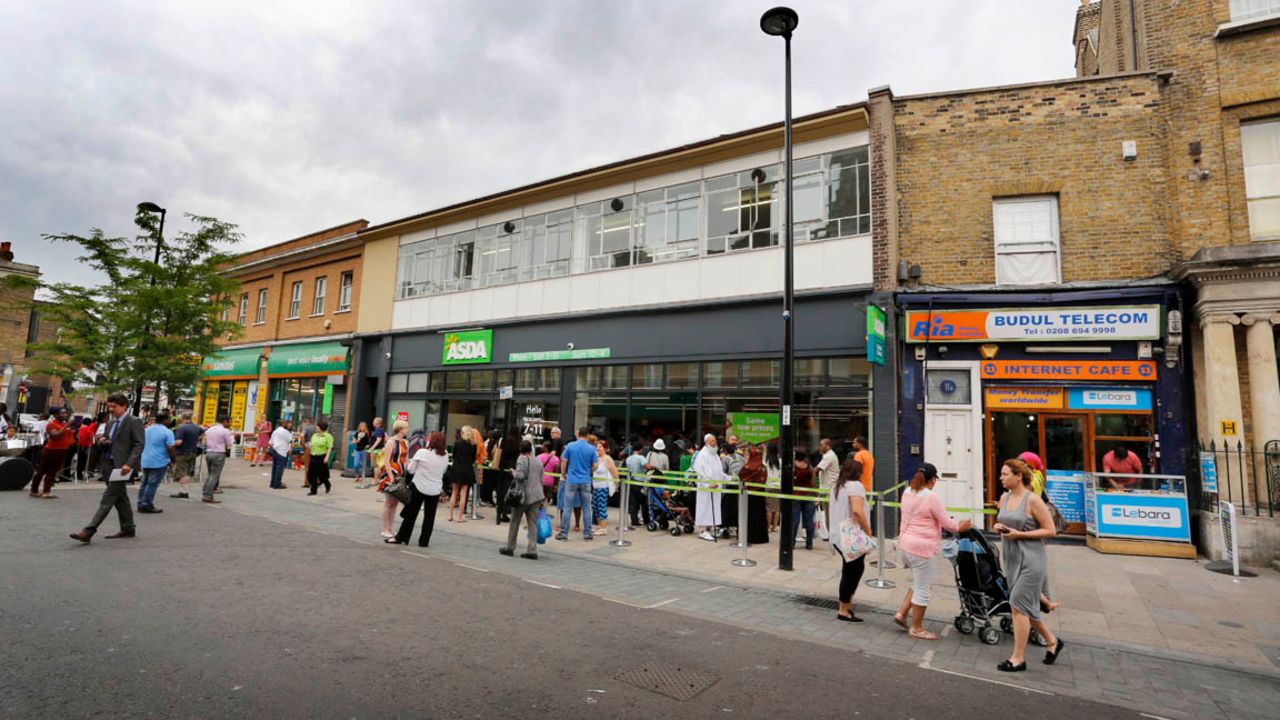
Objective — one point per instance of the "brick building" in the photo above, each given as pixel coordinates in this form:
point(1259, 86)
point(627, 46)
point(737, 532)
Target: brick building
point(298, 306)
point(21, 325)
point(1044, 242)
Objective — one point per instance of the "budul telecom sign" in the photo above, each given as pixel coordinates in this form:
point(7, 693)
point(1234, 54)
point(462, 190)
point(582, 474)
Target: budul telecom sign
point(1137, 322)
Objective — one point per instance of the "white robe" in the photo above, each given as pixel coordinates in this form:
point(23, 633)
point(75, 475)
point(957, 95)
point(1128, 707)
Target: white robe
point(709, 469)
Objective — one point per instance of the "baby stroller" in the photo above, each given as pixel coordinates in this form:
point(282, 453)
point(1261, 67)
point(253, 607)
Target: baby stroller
point(984, 591)
point(670, 515)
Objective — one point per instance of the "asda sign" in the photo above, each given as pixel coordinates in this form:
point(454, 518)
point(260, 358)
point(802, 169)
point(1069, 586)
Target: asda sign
point(468, 347)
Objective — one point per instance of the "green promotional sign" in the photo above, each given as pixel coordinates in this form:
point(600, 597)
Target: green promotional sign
point(754, 428)
point(875, 335)
point(547, 355)
point(232, 364)
point(310, 359)
point(468, 347)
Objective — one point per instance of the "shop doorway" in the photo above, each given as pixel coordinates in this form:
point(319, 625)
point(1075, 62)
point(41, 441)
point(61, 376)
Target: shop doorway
point(473, 413)
point(948, 444)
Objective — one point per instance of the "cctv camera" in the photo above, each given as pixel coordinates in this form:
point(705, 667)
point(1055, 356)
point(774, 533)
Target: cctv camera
point(387, 355)
point(568, 346)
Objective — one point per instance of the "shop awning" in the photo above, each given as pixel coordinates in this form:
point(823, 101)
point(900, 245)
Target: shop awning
point(232, 364)
point(313, 359)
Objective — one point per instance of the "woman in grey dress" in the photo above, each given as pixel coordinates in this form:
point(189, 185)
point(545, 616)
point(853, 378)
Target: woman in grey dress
point(1024, 524)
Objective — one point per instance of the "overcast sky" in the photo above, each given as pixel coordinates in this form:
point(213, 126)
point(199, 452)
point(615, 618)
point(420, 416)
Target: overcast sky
point(289, 117)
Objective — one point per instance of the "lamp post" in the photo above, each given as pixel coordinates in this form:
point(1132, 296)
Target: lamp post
point(781, 22)
point(150, 207)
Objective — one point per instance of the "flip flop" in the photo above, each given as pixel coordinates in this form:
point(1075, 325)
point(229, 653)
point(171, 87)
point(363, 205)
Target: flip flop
point(922, 635)
point(901, 621)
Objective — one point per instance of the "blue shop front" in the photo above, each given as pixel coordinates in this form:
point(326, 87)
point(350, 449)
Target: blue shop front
point(1068, 375)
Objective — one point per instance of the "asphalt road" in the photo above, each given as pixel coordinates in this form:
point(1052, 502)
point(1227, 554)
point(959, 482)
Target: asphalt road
point(214, 614)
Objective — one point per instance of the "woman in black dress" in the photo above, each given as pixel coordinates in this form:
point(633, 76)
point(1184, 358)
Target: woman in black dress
point(754, 476)
point(462, 473)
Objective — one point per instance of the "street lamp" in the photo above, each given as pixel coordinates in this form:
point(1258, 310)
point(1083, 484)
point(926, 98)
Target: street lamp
point(150, 207)
point(782, 21)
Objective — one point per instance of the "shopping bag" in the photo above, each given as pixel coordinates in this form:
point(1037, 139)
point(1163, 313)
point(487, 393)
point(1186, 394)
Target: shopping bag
point(820, 524)
point(852, 542)
point(544, 526)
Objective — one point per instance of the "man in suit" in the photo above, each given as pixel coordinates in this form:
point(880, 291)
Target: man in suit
point(121, 450)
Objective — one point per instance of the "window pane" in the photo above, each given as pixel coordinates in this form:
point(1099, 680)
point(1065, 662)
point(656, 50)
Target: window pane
point(846, 372)
point(437, 382)
point(1264, 218)
point(808, 194)
point(481, 380)
point(549, 379)
point(418, 382)
point(397, 383)
point(948, 387)
point(456, 380)
point(647, 377)
point(1116, 425)
point(720, 374)
point(761, 373)
point(504, 378)
point(810, 373)
point(682, 375)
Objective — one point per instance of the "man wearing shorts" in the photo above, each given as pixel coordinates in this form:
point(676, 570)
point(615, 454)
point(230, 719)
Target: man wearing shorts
point(186, 444)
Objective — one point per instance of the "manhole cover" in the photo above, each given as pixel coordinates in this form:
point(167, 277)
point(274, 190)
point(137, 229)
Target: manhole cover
point(674, 681)
point(825, 603)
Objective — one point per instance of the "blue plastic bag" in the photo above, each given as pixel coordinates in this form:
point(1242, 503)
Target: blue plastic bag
point(544, 526)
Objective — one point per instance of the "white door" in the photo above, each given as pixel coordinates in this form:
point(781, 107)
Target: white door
point(948, 444)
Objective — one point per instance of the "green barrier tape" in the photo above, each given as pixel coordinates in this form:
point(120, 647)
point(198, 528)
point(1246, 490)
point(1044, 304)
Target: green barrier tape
point(984, 511)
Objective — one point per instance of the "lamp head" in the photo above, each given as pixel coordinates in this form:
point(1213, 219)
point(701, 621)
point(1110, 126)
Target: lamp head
point(150, 207)
point(780, 21)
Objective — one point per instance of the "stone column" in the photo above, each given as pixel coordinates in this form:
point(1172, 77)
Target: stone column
point(1264, 389)
point(1222, 389)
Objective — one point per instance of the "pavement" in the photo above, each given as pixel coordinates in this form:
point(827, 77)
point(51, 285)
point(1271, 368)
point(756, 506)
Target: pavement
point(694, 579)
point(250, 610)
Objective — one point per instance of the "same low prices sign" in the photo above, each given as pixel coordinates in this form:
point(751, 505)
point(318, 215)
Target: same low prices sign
point(754, 428)
point(1131, 322)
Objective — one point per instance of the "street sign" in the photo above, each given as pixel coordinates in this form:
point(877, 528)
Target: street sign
point(506, 392)
point(1227, 519)
point(1228, 428)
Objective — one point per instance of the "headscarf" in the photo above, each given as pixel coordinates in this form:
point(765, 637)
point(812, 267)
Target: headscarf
point(1033, 460)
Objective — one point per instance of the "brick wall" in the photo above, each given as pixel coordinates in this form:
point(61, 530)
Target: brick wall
point(303, 242)
point(957, 152)
point(278, 281)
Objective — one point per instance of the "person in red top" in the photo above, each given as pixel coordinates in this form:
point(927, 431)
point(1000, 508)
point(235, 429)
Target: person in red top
point(1121, 460)
point(58, 440)
point(85, 441)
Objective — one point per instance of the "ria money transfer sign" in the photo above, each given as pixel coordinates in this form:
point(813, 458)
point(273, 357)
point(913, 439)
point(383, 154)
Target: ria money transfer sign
point(1130, 322)
point(468, 347)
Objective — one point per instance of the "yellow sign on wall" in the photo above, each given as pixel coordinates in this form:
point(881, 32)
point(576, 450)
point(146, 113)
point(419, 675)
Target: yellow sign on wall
point(1228, 428)
point(210, 415)
point(239, 392)
point(1025, 398)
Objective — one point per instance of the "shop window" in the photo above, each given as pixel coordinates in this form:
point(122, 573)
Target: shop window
point(456, 380)
point(436, 382)
point(1253, 9)
point(682, 375)
point(1026, 240)
point(432, 423)
point(840, 418)
point(481, 380)
point(1064, 442)
point(948, 387)
point(397, 383)
point(811, 372)
point(646, 377)
point(412, 407)
point(603, 377)
point(761, 373)
point(605, 413)
point(1261, 145)
point(526, 379)
point(417, 383)
point(549, 379)
point(846, 372)
point(1122, 425)
point(720, 374)
point(505, 378)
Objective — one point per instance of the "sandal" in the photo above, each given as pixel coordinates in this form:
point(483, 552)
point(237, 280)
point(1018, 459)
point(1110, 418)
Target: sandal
point(901, 620)
point(922, 635)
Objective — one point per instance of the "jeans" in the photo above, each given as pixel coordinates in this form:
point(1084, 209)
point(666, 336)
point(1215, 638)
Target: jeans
point(278, 464)
point(151, 479)
point(578, 494)
point(215, 461)
point(799, 508)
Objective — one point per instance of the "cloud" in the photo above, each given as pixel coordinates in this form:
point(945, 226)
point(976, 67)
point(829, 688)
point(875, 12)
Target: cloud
point(289, 117)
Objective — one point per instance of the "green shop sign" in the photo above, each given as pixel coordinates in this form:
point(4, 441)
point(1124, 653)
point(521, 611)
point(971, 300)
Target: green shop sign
point(232, 364)
point(875, 335)
point(310, 359)
point(753, 428)
point(468, 347)
point(549, 355)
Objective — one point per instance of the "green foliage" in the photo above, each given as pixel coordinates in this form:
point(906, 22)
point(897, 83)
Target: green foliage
point(150, 322)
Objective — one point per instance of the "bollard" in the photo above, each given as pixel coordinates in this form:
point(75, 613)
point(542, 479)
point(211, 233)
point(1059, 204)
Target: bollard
point(475, 507)
point(880, 562)
point(624, 490)
point(743, 561)
point(878, 581)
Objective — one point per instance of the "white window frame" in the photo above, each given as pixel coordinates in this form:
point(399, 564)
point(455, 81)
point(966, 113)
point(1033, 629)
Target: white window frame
point(244, 308)
point(261, 317)
point(345, 283)
point(1245, 10)
point(319, 296)
point(1261, 178)
point(1005, 246)
point(295, 301)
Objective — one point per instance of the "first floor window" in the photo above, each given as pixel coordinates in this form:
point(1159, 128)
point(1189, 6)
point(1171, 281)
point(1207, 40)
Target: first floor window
point(261, 317)
point(295, 301)
point(344, 291)
point(317, 303)
point(1253, 9)
point(1261, 145)
point(1026, 240)
point(244, 308)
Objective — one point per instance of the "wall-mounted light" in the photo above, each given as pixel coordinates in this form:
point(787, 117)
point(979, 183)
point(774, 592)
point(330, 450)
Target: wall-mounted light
point(616, 204)
point(508, 227)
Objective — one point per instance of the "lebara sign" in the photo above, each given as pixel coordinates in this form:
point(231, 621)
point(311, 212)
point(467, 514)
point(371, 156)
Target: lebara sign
point(1143, 517)
point(468, 347)
point(1138, 322)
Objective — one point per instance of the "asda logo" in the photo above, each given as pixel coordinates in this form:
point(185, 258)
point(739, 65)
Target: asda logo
point(1144, 516)
point(468, 347)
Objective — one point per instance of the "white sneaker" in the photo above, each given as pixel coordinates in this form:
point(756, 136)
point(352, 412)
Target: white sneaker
point(707, 536)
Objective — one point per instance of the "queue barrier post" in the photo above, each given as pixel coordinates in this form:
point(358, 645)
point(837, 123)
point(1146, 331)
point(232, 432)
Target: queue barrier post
point(743, 519)
point(878, 581)
point(620, 541)
point(475, 507)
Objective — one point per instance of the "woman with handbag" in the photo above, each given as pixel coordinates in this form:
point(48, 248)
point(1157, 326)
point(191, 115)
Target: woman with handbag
point(427, 467)
point(462, 473)
point(397, 449)
point(848, 503)
point(919, 540)
point(524, 498)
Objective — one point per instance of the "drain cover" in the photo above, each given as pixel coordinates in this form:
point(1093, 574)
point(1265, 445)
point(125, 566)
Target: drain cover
point(674, 681)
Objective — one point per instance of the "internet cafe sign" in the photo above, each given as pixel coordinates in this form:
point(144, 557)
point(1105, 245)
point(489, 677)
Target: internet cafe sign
point(1130, 322)
point(468, 347)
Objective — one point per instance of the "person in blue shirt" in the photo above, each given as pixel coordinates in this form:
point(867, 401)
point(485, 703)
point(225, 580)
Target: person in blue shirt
point(579, 463)
point(157, 453)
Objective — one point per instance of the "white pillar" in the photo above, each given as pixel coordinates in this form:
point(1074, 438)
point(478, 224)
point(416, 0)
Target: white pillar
point(1222, 392)
point(1264, 390)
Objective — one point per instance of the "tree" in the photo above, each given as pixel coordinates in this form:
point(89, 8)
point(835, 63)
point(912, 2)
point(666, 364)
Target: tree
point(149, 322)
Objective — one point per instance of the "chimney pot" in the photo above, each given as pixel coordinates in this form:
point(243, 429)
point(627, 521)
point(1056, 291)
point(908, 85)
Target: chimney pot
point(6, 252)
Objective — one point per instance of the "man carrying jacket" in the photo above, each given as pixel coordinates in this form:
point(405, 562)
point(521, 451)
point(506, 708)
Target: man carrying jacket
point(121, 450)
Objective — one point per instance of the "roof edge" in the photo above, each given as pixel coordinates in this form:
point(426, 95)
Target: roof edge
point(1039, 83)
